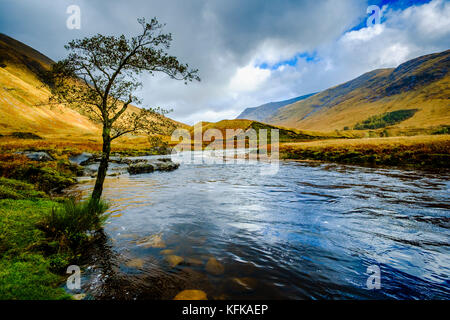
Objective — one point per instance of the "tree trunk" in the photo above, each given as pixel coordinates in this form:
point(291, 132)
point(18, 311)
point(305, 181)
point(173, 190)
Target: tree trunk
point(101, 174)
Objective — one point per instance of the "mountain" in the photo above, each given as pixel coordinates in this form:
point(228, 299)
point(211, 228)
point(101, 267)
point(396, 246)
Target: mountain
point(24, 97)
point(22, 93)
point(420, 87)
point(265, 111)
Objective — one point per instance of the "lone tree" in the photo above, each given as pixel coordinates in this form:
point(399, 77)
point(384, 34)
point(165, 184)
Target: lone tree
point(99, 77)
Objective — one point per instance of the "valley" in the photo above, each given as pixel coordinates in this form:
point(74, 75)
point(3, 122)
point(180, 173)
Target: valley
point(375, 146)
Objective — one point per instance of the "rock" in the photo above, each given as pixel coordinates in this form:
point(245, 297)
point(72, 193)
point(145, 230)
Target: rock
point(141, 168)
point(153, 241)
point(194, 261)
point(115, 159)
point(81, 159)
point(79, 296)
point(168, 251)
point(132, 161)
point(135, 263)
point(37, 156)
point(151, 166)
point(214, 267)
point(173, 260)
point(191, 295)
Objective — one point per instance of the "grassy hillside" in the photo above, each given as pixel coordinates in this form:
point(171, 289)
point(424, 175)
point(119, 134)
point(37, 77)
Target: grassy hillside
point(23, 98)
point(285, 134)
point(422, 83)
point(418, 151)
point(22, 94)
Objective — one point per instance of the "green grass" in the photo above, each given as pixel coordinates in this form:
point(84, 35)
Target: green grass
point(13, 189)
point(442, 130)
point(39, 238)
point(71, 223)
point(419, 152)
point(385, 119)
point(27, 277)
point(25, 268)
point(44, 178)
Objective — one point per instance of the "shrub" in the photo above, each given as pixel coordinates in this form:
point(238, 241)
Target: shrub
point(45, 178)
point(385, 119)
point(72, 223)
point(26, 135)
point(442, 130)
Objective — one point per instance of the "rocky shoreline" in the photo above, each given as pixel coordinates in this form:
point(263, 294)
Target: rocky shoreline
point(90, 164)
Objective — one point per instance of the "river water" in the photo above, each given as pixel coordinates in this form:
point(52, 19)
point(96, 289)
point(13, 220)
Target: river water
point(310, 231)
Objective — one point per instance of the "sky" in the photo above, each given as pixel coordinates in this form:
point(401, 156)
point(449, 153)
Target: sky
point(248, 52)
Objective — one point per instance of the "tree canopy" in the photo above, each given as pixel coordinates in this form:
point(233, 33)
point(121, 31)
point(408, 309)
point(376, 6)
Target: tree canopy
point(100, 76)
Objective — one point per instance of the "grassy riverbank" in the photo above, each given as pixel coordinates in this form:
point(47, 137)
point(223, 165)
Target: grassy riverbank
point(27, 271)
point(415, 151)
point(41, 233)
point(64, 148)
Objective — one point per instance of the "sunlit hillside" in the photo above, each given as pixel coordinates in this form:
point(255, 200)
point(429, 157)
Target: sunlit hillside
point(24, 98)
point(422, 83)
point(285, 134)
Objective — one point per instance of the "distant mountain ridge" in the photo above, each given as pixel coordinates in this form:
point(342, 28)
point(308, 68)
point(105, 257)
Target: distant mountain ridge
point(422, 83)
point(265, 111)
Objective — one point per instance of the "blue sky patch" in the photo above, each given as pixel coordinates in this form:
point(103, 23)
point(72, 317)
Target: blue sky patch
point(308, 57)
point(393, 4)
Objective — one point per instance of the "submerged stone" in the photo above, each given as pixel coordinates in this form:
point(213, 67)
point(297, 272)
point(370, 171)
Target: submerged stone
point(135, 263)
point(173, 260)
point(191, 295)
point(153, 241)
point(214, 267)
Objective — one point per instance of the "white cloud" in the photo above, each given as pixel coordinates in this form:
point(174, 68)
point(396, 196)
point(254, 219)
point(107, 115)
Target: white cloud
point(248, 78)
point(365, 34)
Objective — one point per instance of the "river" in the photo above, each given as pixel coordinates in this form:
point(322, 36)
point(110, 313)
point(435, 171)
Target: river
point(310, 231)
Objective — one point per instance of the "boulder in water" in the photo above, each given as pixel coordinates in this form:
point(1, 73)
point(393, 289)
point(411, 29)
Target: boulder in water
point(214, 267)
point(173, 260)
point(135, 263)
point(81, 159)
point(191, 295)
point(153, 241)
point(151, 166)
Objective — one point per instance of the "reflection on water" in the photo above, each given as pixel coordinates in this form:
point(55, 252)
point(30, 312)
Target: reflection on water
point(310, 231)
